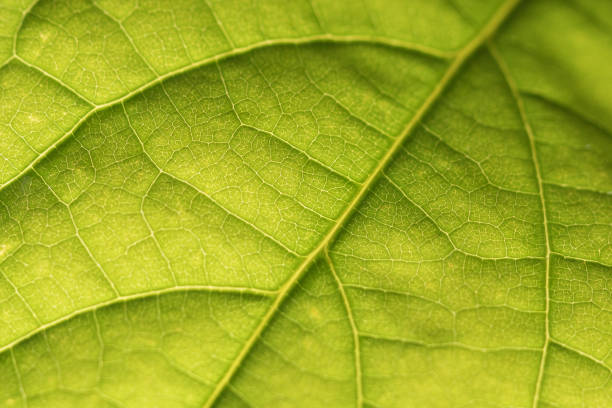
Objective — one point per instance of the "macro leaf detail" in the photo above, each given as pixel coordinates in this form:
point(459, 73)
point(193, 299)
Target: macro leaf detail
point(305, 203)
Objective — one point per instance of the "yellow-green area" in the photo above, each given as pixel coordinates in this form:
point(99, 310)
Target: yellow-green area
point(306, 203)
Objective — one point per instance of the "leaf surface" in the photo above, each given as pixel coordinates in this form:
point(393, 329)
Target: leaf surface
point(317, 203)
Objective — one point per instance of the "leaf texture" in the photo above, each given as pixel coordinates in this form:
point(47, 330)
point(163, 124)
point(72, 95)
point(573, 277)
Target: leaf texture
point(305, 203)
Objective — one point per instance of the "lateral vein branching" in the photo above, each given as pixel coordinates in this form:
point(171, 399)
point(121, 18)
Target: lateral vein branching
point(500, 16)
point(322, 38)
point(456, 61)
point(126, 298)
point(355, 332)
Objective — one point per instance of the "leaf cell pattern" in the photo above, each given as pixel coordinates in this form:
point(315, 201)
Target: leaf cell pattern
point(306, 203)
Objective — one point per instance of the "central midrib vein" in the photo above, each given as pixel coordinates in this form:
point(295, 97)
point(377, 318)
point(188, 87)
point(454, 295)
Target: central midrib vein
point(490, 28)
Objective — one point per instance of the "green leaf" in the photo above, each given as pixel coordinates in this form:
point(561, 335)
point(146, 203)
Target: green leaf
point(306, 203)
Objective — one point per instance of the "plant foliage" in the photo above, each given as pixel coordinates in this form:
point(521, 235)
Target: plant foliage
point(306, 203)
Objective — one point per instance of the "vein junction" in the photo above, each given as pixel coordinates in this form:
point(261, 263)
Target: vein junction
point(268, 182)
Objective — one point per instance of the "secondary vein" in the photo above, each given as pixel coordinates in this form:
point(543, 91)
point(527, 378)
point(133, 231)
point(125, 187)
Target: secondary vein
point(355, 332)
point(322, 38)
point(521, 107)
point(135, 296)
